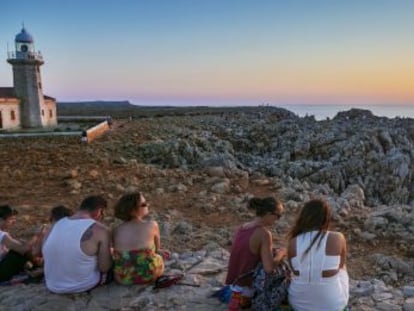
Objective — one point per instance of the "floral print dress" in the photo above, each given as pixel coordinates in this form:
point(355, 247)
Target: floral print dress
point(140, 266)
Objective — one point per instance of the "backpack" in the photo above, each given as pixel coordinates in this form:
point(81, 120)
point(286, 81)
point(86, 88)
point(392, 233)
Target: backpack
point(224, 293)
point(271, 289)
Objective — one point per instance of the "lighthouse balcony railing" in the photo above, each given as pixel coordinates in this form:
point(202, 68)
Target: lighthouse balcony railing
point(25, 55)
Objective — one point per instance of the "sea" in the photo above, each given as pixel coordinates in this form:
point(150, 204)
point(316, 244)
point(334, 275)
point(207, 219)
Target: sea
point(319, 111)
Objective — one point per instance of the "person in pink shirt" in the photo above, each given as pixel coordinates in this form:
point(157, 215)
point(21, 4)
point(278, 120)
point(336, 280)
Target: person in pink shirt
point(253, 244)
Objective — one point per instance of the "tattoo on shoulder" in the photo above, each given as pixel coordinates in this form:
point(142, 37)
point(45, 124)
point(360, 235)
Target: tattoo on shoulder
point(87, 235)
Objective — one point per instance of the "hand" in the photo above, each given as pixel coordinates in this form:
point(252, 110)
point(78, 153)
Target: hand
point(103, 279)
point(279, 253)
point(166, 255)
point(28, 247)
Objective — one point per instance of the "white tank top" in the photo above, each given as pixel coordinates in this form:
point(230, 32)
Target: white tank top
point(3, 248)
point(309, 291)
point(67, 268)
point(311, 265)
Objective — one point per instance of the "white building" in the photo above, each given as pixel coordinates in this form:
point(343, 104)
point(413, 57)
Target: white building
point(25, 105)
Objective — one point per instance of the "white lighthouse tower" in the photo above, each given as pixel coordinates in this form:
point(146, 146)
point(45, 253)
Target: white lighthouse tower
point(26, 62)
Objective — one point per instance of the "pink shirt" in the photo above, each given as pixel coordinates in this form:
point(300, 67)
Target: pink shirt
point(242, 260)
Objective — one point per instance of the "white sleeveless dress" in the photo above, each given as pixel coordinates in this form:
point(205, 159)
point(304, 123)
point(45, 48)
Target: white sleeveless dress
point(309, 291)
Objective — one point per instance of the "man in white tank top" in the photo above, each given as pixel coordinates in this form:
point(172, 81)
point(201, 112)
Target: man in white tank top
point(76, 250)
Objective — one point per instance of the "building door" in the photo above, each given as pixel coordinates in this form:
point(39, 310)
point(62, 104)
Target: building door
point(1, 121)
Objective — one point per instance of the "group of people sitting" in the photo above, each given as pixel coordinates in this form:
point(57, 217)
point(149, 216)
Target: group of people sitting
point(78, 252)
point(315, 256)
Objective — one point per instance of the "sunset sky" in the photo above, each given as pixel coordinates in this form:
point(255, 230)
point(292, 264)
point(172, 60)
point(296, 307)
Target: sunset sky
point(224, 51)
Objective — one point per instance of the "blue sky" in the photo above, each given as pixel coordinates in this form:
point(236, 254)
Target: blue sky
point(212, 52)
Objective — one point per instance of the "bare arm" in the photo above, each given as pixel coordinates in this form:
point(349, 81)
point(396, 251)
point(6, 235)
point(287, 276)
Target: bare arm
point(291, 252)
point(336, 246)
point(266, 251)
point(157, 239)
point(16, 245)
point(113, 234)
point(342, 264)
point(104, 248)
point(279, 254)
point(38, 239)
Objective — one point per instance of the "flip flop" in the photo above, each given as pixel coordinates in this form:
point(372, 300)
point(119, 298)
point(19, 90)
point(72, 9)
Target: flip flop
point(165, 281)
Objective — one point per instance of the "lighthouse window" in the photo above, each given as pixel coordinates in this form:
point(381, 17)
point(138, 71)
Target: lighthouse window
point(12, 115)
point(50, 113)
point(40, 85)
point(43, 113)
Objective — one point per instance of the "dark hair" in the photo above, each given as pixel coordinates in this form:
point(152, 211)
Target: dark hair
point(60, 211)
point(127, 204)
point(6, 211)
point(93, 203)
point(263, 206)
point(315, 215)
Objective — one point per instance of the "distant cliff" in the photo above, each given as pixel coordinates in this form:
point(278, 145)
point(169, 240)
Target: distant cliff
point(91, 107)
point(124, 109)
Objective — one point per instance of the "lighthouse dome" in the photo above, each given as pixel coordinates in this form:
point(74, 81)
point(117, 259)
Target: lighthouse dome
point(24, 36)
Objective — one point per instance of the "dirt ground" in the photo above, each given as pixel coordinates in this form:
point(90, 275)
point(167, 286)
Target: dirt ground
point(38, 173)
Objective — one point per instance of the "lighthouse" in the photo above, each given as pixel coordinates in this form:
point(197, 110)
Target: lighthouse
point(35, 109)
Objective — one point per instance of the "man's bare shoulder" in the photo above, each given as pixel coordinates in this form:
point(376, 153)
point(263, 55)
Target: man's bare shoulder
point(100, 226)
point(6, 239)
point(96, 231)
point(101, 230)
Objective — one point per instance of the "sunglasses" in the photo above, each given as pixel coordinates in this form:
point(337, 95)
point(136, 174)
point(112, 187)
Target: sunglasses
point(143, 204)
point(276, 214)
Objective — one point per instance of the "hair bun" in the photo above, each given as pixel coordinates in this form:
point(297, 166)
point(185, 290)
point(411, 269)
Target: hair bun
point(254, 203)
point(263, 206)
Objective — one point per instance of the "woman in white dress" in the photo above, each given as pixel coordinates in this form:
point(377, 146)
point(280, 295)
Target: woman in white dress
point(318, 260)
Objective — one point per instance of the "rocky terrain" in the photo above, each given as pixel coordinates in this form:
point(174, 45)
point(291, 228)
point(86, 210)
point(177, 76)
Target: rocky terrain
point(198, 167)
